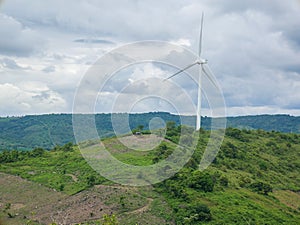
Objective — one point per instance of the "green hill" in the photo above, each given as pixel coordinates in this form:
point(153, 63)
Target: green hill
point(254, 180)
point(46, 131)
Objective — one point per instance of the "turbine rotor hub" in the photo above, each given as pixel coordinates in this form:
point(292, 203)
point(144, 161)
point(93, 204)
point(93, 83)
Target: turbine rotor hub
point(202, 61)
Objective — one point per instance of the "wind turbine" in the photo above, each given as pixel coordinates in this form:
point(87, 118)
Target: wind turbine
point(202, 62)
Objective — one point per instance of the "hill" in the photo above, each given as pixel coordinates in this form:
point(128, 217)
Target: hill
point(253, 180)
point(46, 131)
point(281, 123)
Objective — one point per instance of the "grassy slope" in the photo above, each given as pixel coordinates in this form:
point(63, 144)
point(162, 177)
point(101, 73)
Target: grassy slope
point(245, 157)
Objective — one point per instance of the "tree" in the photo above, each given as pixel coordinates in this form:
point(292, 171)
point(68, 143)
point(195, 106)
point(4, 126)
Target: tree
point(91, 180)
point(171, 125)
point(202, 181)
point(37, 152)
point(61, 187)
point(224, 181)
point(196, 212)
point(236, 133)
point(230, 150)
point(67, 147)
point(261, 187)
point(202, 211)
point(172, 133)
point(140, 127)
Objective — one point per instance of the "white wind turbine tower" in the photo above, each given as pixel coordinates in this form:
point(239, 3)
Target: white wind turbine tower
point(204, 69)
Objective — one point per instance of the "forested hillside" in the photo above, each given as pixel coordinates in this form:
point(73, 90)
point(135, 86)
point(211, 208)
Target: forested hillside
point(254, 180)
point(46, 131)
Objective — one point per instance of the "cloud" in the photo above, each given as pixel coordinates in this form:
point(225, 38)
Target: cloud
point(49, 69)
point(252, 46)
point(130, 19)
point(142, 88)
point(93, 41)
point(16, 39)
point(29, 98)
point(8, 63)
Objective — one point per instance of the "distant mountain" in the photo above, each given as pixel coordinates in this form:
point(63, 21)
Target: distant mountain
point(46, 131)
point(281, 123)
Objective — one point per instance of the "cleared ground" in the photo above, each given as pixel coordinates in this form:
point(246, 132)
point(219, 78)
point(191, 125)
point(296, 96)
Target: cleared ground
point(29, 202)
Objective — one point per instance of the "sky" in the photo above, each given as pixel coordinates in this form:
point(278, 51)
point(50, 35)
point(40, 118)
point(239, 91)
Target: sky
point(47, 47)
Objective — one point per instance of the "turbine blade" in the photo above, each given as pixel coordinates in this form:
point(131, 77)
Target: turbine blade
point(180, 71)
point(208, 73)
point(200, 36)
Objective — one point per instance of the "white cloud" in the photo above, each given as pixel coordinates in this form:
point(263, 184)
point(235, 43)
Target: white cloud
point(142, 89)
point(9, 63)
point(49, 69)
point(252, 46)
point(15, 39)
point(29, 98)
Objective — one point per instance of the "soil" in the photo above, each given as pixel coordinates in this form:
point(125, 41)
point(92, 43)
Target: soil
point(30, 201)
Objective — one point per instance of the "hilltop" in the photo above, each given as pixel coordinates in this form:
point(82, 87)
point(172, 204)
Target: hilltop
point(46, 131)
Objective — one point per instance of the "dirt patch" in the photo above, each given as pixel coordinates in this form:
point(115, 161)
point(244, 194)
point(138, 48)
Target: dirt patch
point(33, 202)
point(141, 142)
point(17, 206)
point(25, 198)
point(78, 208)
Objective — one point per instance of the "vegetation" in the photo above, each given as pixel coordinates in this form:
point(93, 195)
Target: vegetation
point(106, 220)
point(47, 131)
point(248, 182)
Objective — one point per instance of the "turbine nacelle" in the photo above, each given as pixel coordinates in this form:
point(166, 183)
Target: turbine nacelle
point(201, 61)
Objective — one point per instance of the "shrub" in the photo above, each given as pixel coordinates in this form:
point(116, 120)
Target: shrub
point(202, 181)
point(261, 187)
point(194, 213)
point(109, 220)
point(91, 180)
point(224, 181)
point(67, 147)
point(37, 152)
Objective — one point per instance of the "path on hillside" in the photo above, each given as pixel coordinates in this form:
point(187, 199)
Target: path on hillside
point(143, 208)
point(74, 178)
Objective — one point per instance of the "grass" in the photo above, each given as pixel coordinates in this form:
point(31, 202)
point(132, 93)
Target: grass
point(289, 198)
point(53, 169)
point(135, 157)
point(245, 157)
point(243, 206)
